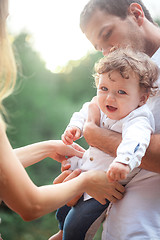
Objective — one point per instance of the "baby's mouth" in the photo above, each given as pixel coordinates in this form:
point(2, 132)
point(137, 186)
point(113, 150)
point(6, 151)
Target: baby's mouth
point(111, 108)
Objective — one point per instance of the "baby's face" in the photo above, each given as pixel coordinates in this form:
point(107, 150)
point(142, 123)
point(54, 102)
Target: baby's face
point(118, 96)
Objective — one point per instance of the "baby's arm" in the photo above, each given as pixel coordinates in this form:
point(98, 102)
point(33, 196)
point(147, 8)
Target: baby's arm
point(71, 134)
point(74, 130)
point(136, 135)
point(75, 126)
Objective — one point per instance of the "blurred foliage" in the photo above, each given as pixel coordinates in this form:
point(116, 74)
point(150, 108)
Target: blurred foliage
point(157, 20)
point(40, 109)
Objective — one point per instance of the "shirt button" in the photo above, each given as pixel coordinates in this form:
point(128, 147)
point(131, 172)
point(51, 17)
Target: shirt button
point(127, 159)
point(91, 158)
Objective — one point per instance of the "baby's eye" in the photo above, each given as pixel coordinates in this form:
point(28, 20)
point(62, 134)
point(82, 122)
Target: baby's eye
point(122, 92)
point(104, 89)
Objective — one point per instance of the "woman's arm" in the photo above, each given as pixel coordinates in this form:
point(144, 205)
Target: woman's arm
point(36, 152)
point(24, 197)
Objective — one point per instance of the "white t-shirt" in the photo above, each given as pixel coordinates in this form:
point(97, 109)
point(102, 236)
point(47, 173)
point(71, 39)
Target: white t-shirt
point(137, 215)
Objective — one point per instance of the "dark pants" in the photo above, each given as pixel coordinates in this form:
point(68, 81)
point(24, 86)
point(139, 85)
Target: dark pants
point(76, 221)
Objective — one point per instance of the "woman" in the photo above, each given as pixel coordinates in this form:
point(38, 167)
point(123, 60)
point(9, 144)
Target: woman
point(16, 188)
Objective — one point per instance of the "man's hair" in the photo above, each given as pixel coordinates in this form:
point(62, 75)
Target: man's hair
point(126, 61)
point(113, 7)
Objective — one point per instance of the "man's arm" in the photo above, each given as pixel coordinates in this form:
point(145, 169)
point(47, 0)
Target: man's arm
point(99, 137)
point(108, 141)
point(151, 160)
point(104, 139)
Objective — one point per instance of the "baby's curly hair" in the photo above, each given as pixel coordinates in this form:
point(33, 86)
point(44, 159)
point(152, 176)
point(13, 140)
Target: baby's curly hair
point(127, 60)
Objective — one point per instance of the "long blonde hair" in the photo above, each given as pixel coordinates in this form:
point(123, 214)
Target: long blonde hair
point(7, 62)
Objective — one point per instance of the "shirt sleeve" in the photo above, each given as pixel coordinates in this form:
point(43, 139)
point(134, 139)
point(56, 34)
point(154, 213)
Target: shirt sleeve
point(78, 118)
point(136, 133)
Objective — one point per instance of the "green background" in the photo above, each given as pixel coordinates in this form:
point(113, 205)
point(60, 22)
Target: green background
point(39, 110)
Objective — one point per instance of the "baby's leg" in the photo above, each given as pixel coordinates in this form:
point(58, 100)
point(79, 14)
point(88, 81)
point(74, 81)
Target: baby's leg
point(60, 215)
point(81, 217)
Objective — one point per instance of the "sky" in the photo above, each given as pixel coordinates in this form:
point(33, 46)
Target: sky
point(54, 27)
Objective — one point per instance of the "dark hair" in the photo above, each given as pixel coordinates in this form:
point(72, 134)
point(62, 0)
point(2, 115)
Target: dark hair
point(114, 7)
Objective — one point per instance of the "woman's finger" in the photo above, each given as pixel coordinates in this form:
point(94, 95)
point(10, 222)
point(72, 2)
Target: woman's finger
point(74, 174)
point(65, 165)
point(62, 177)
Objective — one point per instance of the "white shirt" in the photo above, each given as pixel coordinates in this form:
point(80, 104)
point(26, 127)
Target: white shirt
point(137, 215)
point(136, 129)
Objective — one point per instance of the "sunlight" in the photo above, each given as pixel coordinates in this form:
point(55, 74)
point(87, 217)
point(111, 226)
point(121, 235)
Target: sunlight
point(54, 26)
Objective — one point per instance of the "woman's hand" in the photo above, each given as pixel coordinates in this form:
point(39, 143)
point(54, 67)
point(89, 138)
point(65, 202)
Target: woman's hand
point(61, 151)
point(55, 149)
point(98, 186)
point(66, 176)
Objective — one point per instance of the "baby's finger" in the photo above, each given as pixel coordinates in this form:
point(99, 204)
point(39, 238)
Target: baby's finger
point(123, 176)
point(77, 134)
point(63, 139)
point(78, 147)
point(69, 140)
point(110, 176)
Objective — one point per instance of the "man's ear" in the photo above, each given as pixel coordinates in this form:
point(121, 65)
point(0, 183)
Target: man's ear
point(143, 99)
point(136, 10)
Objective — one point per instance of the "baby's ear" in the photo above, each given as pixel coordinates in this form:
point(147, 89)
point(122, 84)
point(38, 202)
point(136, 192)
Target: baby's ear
point(143, 99)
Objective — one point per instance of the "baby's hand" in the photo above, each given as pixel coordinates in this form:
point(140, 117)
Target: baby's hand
point(117, 171)
point(71, 134)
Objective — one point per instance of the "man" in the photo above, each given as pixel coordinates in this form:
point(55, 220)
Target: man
point(109, 24)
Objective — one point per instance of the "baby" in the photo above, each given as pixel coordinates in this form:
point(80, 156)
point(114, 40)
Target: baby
point(124, 79)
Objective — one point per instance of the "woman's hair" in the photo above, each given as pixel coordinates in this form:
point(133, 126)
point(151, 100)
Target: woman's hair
point(7, 61)
point(126, 61)
point(113, 7)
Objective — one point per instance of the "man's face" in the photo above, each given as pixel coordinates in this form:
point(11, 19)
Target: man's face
point(106, 31)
